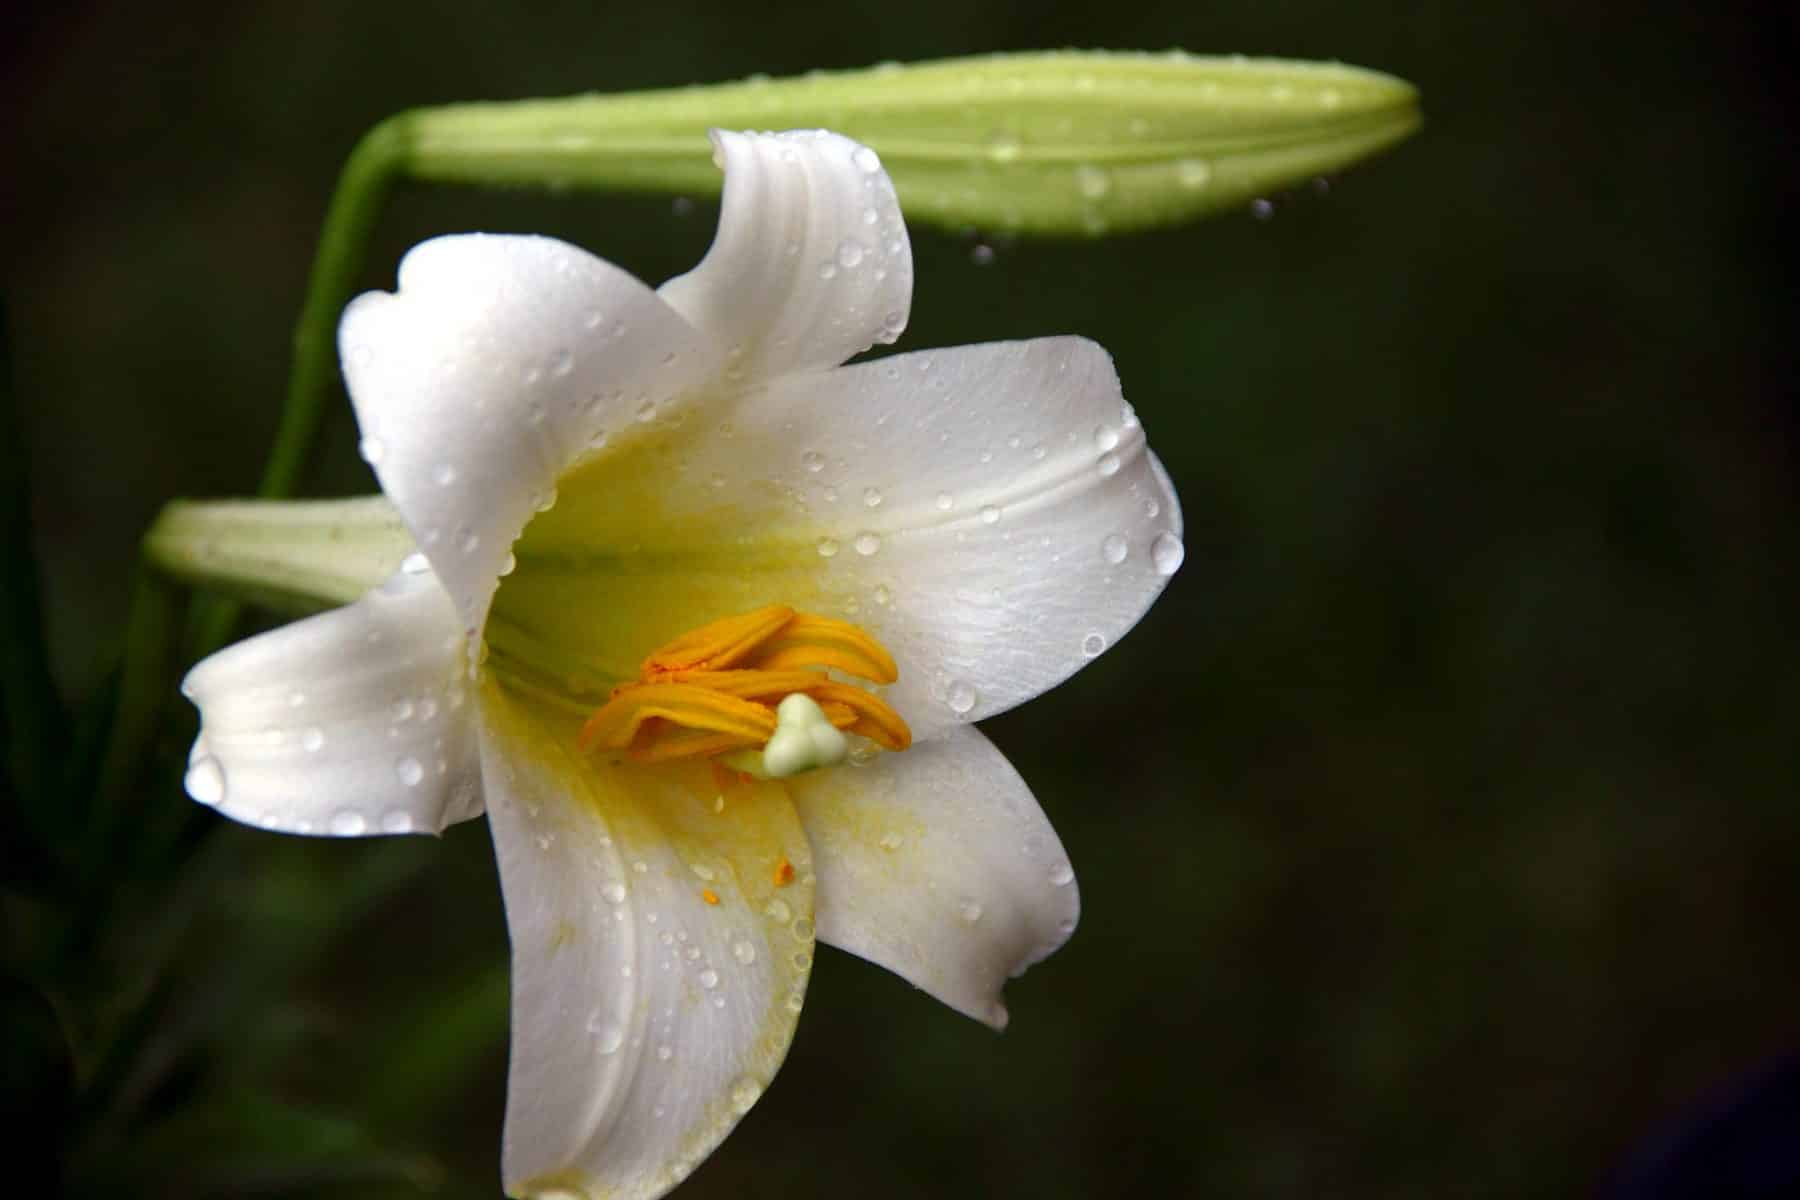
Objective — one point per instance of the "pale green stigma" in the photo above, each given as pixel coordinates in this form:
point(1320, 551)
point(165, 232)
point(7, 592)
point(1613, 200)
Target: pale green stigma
point(804, 740)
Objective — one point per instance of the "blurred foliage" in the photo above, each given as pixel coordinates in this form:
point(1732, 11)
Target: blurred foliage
point(1450, 840)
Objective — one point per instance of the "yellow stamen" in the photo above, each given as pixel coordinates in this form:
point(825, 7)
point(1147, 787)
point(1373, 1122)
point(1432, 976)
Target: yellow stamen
point(714, 690)
point(719, 644)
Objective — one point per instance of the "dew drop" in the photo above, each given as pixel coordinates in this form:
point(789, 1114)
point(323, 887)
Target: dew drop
point(944, 501)
point(866, 160)
point(508, 565)
point(646, 409)
point(709, 979)
point(471, 542)
point(867, 543)
point(313, 739)
point(396, 820)
point(1004, 146)
point(828, 270)
point(1114, 549)
point(850, 253)
point(410, 771)
point(1193, 173)
point(1105, 439)
point(970, 911)
point(828, 547)
point(614, 891)
point(347, 822)
point(444, 475)
point(890, 841)
point(989, 514)
point(296, 699)
point(960, 696)
point(883, 596)
point(608, 1037)
point(1262, 209)
point(1092, 182)
point(872, 497)
point(561, 363)
point(1093, 644)
point(802, 928)
point(1108, 466)
point(743, 951)
point(371, 449)
point(981, 254)
point(206, 781)
point(813, 461)
point(415, 564)
point(1062, 875)
point(1166, 553)
point(778, 910)
point(664, 1053)
point(745, 1093)
point(403, 709)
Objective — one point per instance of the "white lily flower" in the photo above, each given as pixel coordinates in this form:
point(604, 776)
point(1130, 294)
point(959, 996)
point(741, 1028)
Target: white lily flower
point(644, 517)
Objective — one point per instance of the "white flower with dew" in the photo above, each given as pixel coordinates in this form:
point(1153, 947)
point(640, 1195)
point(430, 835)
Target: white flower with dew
point(701, 619)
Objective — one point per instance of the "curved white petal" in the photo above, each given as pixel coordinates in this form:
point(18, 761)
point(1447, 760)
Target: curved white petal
point(498, 363)
point(354, 721)
point(939, 865)
point(991, 513)
point(646, 1018)
point(811, 264)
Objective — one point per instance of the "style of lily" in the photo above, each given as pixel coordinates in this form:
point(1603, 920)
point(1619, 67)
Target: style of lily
point(702, 619)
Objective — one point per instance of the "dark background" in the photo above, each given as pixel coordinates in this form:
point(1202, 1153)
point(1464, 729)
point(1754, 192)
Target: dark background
point(1437, 830)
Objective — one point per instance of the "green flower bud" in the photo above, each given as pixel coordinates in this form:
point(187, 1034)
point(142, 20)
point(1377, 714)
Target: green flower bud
point(1062, 142)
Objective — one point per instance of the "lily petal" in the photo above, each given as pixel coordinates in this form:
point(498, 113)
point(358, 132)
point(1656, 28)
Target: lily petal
point(991, 514)
point(658, 964)
point(498, 362)
point(939, 865)
point(350, 722)
point(811, 263)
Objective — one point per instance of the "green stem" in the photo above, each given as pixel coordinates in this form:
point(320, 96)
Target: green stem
point(362, 190)
point(144, 683)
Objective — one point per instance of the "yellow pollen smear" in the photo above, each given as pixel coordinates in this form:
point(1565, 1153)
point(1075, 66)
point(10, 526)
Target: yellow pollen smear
point(784, 873)
point(708, 895)
point(715, 690)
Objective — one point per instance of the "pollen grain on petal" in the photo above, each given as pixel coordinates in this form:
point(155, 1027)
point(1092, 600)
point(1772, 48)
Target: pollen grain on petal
point(784, 873)
point(708, 895)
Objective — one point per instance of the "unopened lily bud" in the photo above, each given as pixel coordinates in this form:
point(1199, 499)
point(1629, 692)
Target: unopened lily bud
point(1057, 143)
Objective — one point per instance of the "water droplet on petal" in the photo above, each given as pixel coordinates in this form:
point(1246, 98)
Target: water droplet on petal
point(410, 770)
point(960, 696)
point(1093, 644)
point(813, 461)
point(1114, 549)
point(944, 501)
point(608, 1037)
point(1262, 209)
point(970, 911)
point(1166, 553)
point(872, 497)
point(709, 979)
point(614, 891)
point(206, 781)
point(372, 450)
point(828, 547)
point(745, 1093)
point(989, 514)
point(743, 951)
point(1062, 875)
point(866, 160)
point(444, 475)
point(1105, 439)
point(1108, 465)
point(981, 254)
point(867, 543)
point(347, 822)
point(312, 739)
point(850, 253)
point(396, 820)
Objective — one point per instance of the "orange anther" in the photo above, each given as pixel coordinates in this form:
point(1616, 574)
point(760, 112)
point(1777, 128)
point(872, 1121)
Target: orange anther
point(708, 895)
point(784, 873)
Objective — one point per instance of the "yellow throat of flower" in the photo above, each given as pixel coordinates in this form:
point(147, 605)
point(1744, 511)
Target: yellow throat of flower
point(752, 691)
